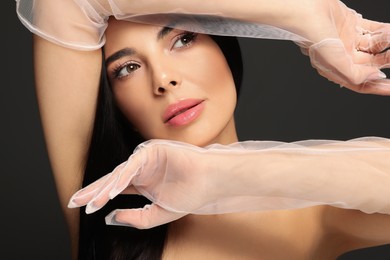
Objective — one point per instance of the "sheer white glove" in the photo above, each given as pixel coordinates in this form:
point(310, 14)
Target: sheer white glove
point(347, 49)
point(181, 179)
point(64, 22)
point(342, 46)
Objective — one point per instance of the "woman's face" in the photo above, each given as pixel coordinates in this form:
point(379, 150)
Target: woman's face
point(171, 84)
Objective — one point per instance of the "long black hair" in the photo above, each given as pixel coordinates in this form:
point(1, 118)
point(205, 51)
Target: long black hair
point(112, 142)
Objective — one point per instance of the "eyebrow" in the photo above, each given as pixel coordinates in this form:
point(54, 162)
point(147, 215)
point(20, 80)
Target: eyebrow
point(130, 51)
point(163, 32)
point(119, 54)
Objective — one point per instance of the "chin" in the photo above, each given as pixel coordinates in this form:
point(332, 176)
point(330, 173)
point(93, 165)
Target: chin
point(193, 139)
point(202, 141)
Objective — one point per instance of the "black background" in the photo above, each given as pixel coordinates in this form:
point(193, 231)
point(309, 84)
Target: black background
point(283, 99)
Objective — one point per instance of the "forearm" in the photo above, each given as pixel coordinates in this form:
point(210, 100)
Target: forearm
point(66, 87)
point(344, 174)
point(281, 13)
point(251, 10)
point(342, 46)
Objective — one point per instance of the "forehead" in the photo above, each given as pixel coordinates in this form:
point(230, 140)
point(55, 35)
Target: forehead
point(116, 28)
point(125, 34)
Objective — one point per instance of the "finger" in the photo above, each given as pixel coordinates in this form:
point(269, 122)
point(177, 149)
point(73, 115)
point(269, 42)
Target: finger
point(374, 83)
point(83, 196)
point(126, 175)
point(381, 60)
point(373, 26)
point(101, 196)
point(375, 42)
point(121, 179)
point(332, 61)
point(378, 87)
point(144, 218)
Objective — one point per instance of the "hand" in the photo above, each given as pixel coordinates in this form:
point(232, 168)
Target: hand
point(347, 49)
point(175, 176)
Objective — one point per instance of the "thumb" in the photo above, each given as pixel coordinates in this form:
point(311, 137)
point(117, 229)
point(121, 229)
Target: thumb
point(142, 218)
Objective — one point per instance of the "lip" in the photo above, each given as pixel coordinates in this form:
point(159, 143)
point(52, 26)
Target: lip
point(183, 112)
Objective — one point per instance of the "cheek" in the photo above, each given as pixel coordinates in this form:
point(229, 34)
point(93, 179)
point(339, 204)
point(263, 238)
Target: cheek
point(133, 97)
point(216, 77)
point(133, 105)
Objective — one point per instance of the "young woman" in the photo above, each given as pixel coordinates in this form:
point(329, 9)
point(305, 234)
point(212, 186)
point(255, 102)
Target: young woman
point(171, 84)
point(67, 104)
point(150, 71)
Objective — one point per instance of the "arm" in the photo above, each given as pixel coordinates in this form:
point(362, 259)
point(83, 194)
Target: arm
point(67, 103)
point(342, 46)
point(66, 86)
point(181, 179)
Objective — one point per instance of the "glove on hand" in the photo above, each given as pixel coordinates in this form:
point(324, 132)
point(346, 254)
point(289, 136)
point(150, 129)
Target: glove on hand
point(180, 179)
point(347, 49)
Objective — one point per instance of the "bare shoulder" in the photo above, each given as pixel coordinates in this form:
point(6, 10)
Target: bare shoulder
point(320, 232)
point(353, 229)
point(302, 234)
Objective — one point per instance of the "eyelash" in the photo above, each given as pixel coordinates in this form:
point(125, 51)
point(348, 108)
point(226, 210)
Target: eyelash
point(117, 71)
point(190, 37)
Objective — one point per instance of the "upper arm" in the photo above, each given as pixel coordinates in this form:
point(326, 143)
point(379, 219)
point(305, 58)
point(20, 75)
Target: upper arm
point(66, 86)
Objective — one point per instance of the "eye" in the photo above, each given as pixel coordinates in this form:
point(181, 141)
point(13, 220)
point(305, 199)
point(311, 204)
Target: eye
point(125, 69)
point(185, 39)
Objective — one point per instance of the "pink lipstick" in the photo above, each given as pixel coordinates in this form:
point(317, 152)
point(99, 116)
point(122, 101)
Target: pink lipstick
point(183, 112)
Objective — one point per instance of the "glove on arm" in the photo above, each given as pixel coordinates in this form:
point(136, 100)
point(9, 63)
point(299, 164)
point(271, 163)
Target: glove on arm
point(342, 46)
point(64, 22)
point(247, 176)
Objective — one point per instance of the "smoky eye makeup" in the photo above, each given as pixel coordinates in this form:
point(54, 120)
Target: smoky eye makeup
point(124, 70)
point(184, 39)
point(179, 39)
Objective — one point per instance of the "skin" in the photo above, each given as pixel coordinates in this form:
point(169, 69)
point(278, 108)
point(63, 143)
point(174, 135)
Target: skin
point(166, 70)
point(144, 90)
point(67, 128)
point(67, 94)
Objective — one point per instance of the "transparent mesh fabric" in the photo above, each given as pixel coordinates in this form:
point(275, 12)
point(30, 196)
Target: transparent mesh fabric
point(63, 22)
point(251, 175)
point(342, 46)
point(80, 24)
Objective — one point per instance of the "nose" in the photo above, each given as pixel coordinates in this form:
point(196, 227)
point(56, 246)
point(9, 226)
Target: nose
point(166, 79)
point(160, 89)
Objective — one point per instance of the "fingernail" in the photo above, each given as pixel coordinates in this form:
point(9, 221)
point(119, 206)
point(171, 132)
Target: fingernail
point(90, 208)
point(378, 75)
point(111, 220)
point(72, 204)
point(382, 75)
